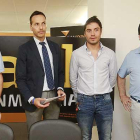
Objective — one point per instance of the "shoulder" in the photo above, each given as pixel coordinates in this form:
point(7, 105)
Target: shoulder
point(108, 50)
point(109, 53)
point(137, 50)
point(78, 51)
point(52, 43)
point(27, 44)
point(132, 53)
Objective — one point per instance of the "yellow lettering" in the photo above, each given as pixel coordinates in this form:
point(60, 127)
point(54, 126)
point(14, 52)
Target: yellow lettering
point(68, 52)
point(10, 70)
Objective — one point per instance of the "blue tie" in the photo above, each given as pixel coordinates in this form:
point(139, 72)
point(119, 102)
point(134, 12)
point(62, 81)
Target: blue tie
point(47, 66)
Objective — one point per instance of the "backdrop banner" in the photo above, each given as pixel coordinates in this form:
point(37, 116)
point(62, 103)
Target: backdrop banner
point(10, 101)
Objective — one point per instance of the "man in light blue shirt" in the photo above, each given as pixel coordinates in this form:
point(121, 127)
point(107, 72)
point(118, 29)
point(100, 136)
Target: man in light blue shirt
point(131, 66)
point(1, 70)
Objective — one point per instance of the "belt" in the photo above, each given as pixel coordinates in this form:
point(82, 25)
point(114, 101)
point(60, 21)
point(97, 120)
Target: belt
point(135, 99)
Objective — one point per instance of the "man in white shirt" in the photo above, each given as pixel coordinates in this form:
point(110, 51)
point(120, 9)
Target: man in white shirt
point(93, 71)
point(39, 73)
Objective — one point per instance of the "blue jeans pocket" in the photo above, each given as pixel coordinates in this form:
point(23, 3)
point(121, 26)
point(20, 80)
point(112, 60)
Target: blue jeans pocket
point(107, 98)
point(79, 98)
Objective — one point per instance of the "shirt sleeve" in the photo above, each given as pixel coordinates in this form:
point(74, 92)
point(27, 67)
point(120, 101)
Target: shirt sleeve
point(74, 74)
point(1, 64)
point(123, 71)
point(113, 70)
point(30, 99)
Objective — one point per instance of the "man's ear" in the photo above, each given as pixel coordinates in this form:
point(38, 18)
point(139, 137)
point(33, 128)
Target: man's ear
point(139, 37)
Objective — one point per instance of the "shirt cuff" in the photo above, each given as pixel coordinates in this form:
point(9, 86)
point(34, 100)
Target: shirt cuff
point(60, 88)
point(30, 99)
point(75, 96)
point(1, 70)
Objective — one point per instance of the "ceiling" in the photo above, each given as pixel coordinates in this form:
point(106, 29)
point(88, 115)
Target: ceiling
point(14, 14)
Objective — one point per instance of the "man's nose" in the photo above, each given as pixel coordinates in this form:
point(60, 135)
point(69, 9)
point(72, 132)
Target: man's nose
point(92, 33)
point(41, 27)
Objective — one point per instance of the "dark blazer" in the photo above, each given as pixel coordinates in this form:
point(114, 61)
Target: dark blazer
point(30, 71)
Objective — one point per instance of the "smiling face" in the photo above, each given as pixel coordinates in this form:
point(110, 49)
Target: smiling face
point(93, 33)
point(38, 26)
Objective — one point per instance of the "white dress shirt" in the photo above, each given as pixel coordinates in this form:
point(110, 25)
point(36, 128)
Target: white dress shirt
point(89, 76)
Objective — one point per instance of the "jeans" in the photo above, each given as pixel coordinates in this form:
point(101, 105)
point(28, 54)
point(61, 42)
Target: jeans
point(98, 107)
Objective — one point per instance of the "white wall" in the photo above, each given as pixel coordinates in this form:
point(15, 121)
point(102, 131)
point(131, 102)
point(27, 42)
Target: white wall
point(120, 20)
point(93, 9)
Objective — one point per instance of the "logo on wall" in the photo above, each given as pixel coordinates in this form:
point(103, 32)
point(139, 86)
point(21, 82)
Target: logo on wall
point(70, 31)
point(65, 33)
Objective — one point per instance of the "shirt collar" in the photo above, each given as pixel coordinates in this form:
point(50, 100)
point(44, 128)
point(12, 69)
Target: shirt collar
point(38, 41)
point(85, 46)
point(137, 50)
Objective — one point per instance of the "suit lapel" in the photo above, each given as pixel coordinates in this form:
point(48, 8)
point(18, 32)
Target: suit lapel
point(36, 53)
point(52, 48)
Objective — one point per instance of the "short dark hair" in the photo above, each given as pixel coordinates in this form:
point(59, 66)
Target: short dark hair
point(36, 13)
point(139, 30)
point(93, 19)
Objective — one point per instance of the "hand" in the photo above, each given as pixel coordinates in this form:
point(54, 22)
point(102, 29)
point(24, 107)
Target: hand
point(37, 103)
point(126, 102)
point(60, 93)
point(77, 107)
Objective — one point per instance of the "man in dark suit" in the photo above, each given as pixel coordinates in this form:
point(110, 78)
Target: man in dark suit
point(39, 73)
